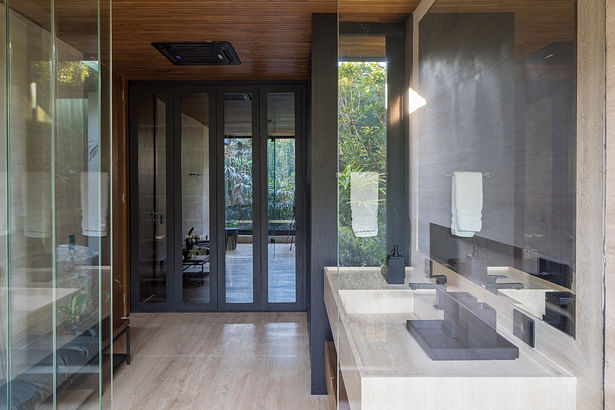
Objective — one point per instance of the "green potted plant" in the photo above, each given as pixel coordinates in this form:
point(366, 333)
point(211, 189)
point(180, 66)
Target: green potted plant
point(191, 241)
point(82, 310)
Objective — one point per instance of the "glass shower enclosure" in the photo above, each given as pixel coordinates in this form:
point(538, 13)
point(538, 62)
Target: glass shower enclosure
point(55, 195)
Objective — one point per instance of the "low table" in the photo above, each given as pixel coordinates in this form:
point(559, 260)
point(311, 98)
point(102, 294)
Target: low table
point(199, 260)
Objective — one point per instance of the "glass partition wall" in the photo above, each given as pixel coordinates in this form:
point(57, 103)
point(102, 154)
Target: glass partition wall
point(55, 231)
point(499, 169)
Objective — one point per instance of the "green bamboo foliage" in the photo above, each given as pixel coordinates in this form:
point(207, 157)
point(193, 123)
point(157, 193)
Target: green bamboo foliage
point(362, 148)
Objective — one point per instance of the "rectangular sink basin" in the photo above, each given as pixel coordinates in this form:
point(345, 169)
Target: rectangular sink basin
point(530, 300)
point(383, 301)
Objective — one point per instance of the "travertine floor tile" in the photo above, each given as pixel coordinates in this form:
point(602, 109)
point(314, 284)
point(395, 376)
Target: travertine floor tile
point(238, 361)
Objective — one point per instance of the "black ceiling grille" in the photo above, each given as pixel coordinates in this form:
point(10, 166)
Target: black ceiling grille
point(199, 53)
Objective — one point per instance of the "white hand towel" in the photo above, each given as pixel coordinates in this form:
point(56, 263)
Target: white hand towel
point(466, 203)
point(37, 222)
point(94, 203)
point(364, 203)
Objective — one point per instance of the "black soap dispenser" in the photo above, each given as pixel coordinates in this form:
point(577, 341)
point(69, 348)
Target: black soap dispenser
point(395, 269)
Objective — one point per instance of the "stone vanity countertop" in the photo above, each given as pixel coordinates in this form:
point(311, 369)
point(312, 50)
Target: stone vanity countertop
point(382, 363)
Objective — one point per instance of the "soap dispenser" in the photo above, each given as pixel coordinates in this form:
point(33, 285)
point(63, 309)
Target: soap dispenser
point(395, 269)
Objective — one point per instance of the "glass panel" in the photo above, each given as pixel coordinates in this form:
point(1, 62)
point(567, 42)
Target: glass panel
point(238, 198)
point(513, 138)
point(56, 192)
point(196, 279)
point(31, 242)
point(81, 188)
point(4, 217)
point(152, 201)
point(281, 187)
point(503, 109)
point(110, 294)
point(362, 152)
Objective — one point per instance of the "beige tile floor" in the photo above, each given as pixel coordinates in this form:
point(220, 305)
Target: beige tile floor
point(238, 361)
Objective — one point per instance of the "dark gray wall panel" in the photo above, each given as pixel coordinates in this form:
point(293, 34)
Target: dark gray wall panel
point(323, 184)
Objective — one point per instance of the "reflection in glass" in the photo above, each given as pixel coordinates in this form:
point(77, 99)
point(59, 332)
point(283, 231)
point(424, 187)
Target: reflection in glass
point(152, 215)
point(281, 181)
point(362, 151)
point(4, 219)
point(54, 209)
point(196, 279)
point(238, 198)
point(505, 110)
point(30, 207)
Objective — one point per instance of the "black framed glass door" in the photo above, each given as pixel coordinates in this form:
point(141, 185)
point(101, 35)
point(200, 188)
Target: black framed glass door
point(221, 169)
point(240, 197)
point(152, 258)
point(196, 280)
point(283, 286)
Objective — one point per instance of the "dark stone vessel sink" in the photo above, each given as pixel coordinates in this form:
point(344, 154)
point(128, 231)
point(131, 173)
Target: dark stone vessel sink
point(468, 331)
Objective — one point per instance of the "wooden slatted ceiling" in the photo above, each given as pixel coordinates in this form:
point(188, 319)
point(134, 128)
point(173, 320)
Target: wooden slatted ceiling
point(272, 38)
point(377, 11)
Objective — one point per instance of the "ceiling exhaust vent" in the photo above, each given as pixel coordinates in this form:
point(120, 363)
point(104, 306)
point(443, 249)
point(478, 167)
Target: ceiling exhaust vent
point(199, 53)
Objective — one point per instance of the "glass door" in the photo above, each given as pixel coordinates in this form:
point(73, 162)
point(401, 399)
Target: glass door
point(195, 230)
point(150, 145)
point(261, 200)
point(239, 240)
point(281, 110)
point(217, 203)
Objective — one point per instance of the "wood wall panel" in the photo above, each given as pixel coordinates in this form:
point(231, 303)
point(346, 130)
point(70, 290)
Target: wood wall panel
point(362, 46)
point(121, 222)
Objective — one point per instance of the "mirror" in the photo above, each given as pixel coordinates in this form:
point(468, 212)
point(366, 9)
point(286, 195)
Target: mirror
point(497, 149)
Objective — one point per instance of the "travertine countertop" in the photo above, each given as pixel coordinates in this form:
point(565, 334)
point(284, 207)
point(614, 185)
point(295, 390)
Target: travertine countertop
point(381, 361)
